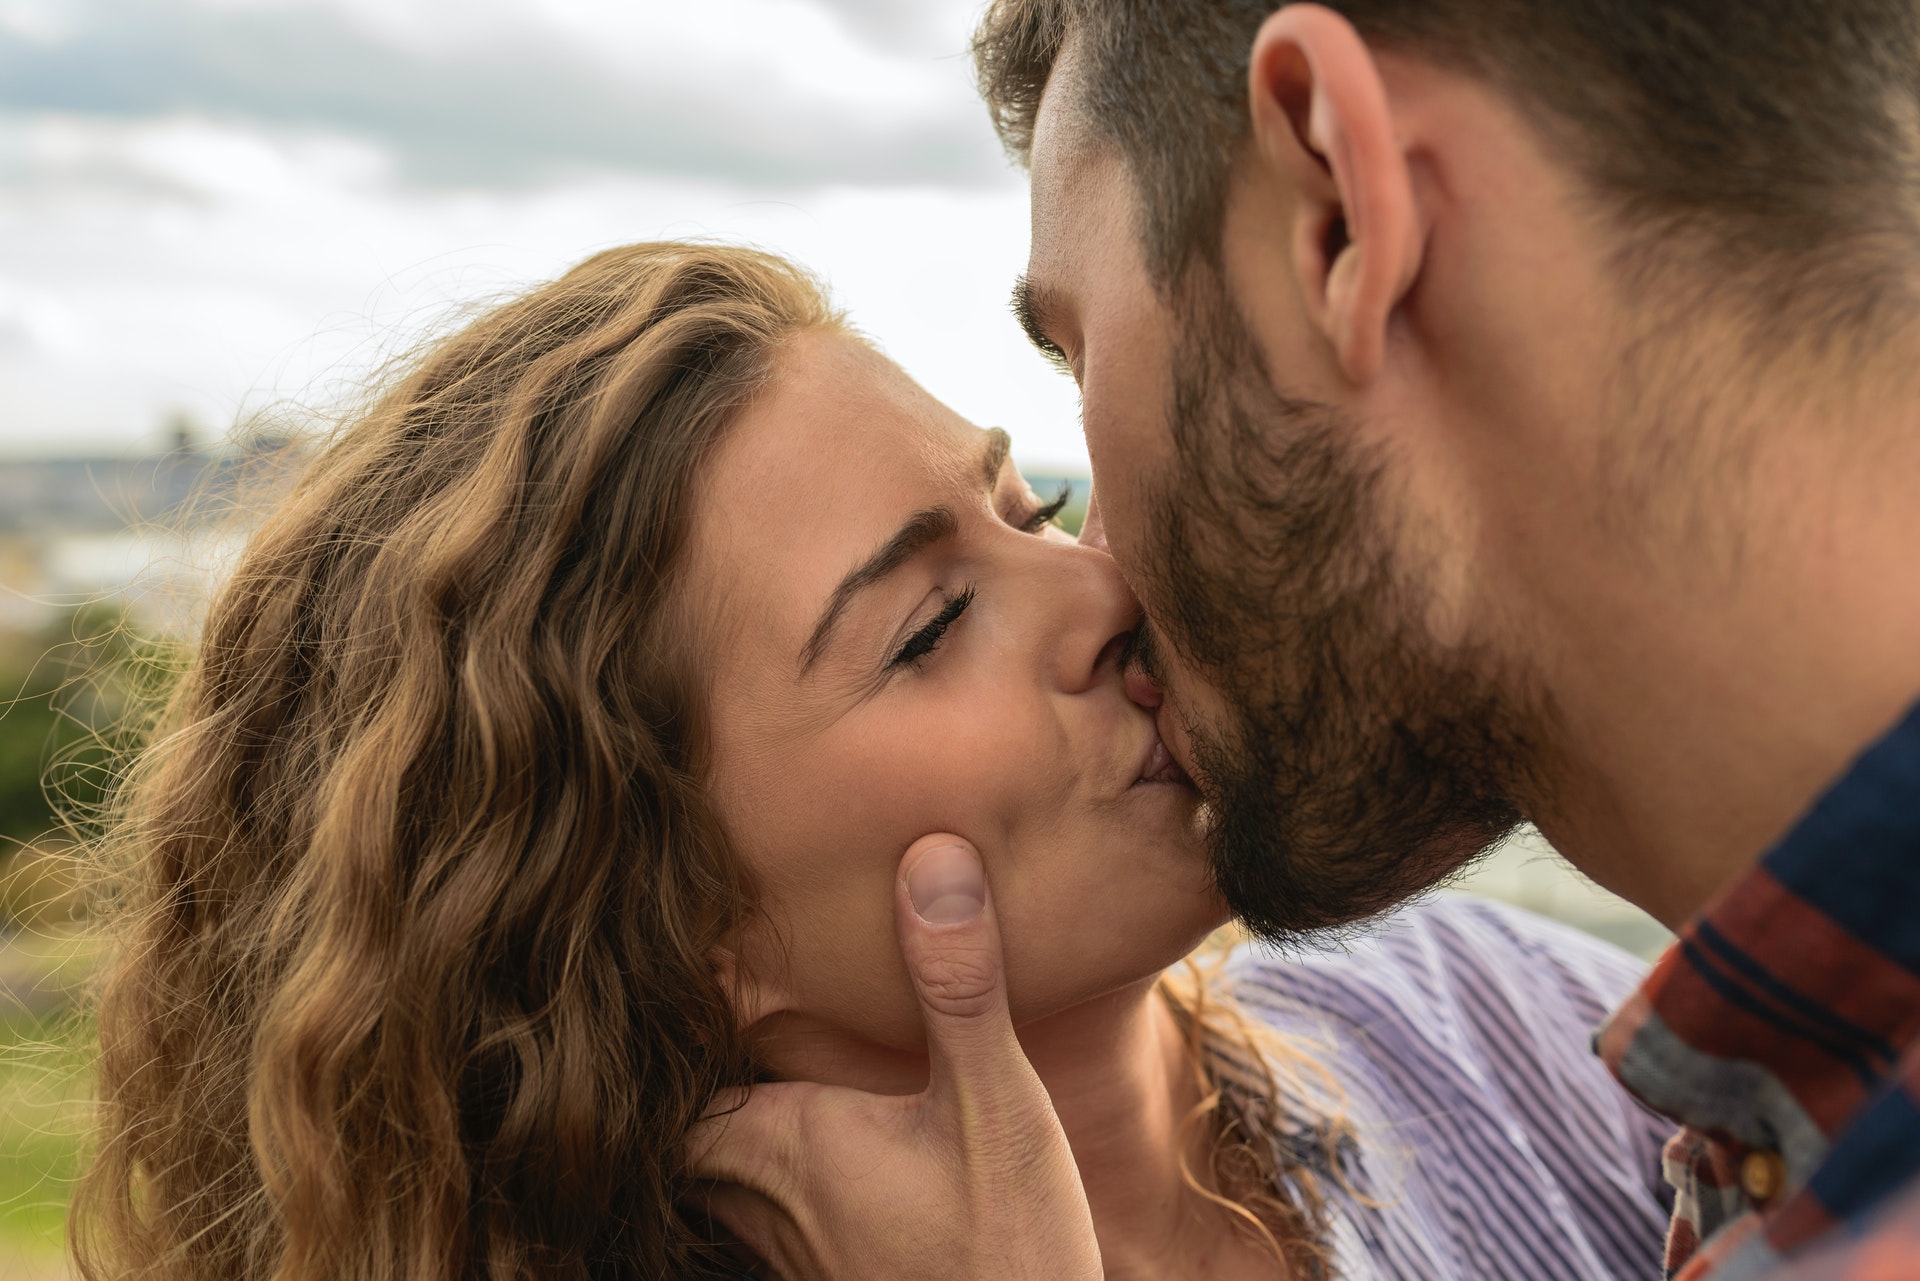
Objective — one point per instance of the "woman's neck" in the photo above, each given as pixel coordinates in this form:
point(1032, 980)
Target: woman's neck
point(1122, 1083)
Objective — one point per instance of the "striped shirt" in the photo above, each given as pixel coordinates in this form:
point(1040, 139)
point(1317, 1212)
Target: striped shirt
point(1487, 1143)
point(1783, 1030)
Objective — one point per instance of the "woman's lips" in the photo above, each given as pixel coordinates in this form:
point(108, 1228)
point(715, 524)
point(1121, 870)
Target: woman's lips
point(1160, 766)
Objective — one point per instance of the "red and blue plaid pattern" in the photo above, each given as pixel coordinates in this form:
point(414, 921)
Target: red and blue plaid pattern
point(1783, 1032)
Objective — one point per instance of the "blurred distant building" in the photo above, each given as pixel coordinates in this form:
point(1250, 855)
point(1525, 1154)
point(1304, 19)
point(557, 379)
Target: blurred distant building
point(148, 531)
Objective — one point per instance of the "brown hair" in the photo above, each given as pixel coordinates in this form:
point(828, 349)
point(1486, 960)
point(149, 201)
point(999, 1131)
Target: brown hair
point(1780, 133)
point(415, 978)
point(1270, 1194)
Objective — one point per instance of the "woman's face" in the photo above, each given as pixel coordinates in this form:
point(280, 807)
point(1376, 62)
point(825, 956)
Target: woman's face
point(898, 646)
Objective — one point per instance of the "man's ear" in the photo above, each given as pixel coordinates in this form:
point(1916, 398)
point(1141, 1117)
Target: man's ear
point(1320, 116)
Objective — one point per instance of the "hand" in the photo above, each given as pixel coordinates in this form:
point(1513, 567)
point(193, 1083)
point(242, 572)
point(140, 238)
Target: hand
point(970, 1181)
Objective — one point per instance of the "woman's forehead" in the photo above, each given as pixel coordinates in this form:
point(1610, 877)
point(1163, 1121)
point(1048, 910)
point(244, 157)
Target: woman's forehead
point(837, 402)
point(815, 475)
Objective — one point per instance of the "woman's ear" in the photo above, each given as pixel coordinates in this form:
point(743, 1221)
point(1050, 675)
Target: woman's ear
point(754, 1000)
point(1321, 120)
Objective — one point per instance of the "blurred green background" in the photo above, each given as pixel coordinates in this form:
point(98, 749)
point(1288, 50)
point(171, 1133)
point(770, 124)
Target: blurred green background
point(65, 687)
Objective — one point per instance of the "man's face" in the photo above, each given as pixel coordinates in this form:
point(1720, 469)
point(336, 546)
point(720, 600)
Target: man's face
point(1351, 758)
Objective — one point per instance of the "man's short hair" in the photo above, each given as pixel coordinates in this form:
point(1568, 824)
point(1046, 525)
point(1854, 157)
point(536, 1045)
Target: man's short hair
point(1768, 135)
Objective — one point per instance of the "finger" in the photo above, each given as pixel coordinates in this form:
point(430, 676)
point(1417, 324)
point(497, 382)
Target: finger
point(951, 941)
point(1093, 527)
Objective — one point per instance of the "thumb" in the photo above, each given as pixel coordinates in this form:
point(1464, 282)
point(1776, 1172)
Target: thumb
point(951, 941)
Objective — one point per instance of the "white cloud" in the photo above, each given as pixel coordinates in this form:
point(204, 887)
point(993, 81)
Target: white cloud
point(38, 20)
point(211, 204)
point(489, 91)
point(801, 44)
point(174, 264)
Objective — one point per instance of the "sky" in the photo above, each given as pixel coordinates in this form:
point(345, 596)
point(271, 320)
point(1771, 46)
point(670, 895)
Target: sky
point(222, 207)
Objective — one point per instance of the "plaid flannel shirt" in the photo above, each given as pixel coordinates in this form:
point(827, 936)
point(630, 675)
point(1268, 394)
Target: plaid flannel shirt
point(1782, 1031)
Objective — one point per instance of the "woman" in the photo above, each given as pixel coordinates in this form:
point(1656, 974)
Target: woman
point(545, 768)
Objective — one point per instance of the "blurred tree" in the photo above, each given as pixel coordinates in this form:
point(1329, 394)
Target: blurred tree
point(63, 703)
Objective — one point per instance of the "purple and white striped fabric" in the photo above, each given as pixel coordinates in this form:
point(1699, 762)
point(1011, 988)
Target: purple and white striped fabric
point(1490, 1144)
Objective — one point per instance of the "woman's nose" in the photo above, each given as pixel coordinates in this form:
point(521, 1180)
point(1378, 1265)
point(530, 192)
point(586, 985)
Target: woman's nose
point(1094, 622)
point(1142, 688)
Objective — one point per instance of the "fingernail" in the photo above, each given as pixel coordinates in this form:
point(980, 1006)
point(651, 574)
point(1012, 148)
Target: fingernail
point(947, 885)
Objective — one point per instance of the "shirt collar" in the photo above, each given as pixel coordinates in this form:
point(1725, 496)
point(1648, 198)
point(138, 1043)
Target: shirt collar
point(1789, 1000)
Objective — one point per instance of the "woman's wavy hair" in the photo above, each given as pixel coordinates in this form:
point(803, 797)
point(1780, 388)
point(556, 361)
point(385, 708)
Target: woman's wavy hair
point(413, 976)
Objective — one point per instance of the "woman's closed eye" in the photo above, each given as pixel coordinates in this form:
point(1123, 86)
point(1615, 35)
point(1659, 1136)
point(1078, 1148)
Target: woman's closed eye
point(925, 641)
point(928, 638)
point(1046, 513)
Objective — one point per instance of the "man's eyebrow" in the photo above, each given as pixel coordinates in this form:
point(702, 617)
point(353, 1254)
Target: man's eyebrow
point(1038, 309)
point(922, 530)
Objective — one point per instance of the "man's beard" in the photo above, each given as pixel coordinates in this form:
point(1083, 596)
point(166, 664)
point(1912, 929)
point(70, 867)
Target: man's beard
point(1362, 762)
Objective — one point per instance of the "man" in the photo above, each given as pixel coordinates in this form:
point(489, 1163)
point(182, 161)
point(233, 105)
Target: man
point(1505, 409)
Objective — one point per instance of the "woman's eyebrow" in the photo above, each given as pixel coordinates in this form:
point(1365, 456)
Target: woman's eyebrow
point(922, 530)
point(994, 457)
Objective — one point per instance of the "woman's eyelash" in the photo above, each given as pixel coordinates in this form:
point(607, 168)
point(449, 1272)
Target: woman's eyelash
point(1045, 516)
point(928, 638)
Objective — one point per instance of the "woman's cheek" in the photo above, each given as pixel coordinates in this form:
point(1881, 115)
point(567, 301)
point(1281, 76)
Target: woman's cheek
point(967, 758)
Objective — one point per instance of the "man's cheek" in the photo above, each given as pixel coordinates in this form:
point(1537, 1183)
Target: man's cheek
point(1123, 533)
